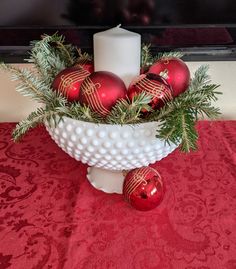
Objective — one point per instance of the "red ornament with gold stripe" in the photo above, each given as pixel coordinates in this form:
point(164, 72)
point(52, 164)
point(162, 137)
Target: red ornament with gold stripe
point(143, 188)
point(68, 82)
point(154, 85)
point(175, 71)
point(101, 90)
point(86, 64)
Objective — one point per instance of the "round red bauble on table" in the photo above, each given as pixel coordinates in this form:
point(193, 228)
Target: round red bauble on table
point(143, 188)
point(68, 82)
point(175, 72)
point(101, 90)
point(154, 85)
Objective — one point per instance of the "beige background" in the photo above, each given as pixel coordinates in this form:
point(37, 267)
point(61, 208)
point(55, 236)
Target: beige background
point(14, 107)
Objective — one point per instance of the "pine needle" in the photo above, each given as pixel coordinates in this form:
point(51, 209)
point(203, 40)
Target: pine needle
point(129, 112)
point(34, 119)
point(147, 59)
point(79, 112)
point(31, 86)
point(82, 57)
point(177, 118)
point(50, 55)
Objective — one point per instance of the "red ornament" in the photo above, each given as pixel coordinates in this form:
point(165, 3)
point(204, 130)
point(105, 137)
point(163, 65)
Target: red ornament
point(87, 65)
point(101, 90)
point(68, 82)
point(143, 188)
point(175, 72)
point(154, 85)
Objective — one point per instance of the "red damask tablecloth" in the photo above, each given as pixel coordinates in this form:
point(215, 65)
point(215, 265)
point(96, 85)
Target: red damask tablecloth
point(51, 217)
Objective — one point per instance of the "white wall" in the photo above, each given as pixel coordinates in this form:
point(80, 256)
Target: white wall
point(223, 73)
point(14, 107)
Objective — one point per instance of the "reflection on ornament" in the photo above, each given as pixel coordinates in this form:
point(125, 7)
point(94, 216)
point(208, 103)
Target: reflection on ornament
point(175, 72)
point(101, 90)
point(68, 82)
point(143, 188)
point(154, 85)
point(89, 90)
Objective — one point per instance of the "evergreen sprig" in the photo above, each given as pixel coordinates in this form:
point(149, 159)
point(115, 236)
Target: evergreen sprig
point(34, 87)
point(40, 116)
point(177, 118)
point(126, 111)
point(82, 57)
point(147, 59)
point(81, 112)
point(52, 116)
point(50, 55)
point(166, 55)
point(146, 56)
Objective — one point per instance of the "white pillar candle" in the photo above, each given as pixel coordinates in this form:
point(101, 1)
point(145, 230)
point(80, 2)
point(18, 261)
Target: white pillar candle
point(119, 51)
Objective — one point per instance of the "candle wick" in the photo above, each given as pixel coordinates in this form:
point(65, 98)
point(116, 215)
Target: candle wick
point(119, 25)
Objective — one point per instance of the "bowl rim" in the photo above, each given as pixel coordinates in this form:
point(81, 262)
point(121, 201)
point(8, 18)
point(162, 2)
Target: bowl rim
point(109, 125)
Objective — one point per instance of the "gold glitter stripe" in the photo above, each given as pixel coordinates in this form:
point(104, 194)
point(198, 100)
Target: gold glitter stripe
point(157, 90)
point(152, 89)
point(88, 86)
point(81, 62)
point(91, 95)
point(97, 101)
point(150, 82)
point(136, 181)
point(81, 73)
point(66, 85)
point(66, 80)
point(132, 188)
point(153, 92)
point(133, 182)
point(88, 89)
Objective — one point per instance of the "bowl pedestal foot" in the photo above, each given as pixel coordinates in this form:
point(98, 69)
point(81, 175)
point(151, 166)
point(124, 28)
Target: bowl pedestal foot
point(108, 181)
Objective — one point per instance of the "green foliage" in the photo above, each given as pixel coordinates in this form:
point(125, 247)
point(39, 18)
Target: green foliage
point(35, 118)
point(177, 118)
point(34, 87)
point(50, 55)
point(126, 111)
point(147, 59)
point(82, 57)
point(84, 113)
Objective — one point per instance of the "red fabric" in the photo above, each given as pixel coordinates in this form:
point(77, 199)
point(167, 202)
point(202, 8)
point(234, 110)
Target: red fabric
point(51, 217)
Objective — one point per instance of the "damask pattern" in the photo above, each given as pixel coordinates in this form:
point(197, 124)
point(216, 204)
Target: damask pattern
point(51, 217)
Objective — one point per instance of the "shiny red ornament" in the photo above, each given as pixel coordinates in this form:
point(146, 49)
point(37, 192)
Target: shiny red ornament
point(87, 65)
point(68, 82)
point(101, 90)
point(154, 85)
point(143, 188)
point(175, 72)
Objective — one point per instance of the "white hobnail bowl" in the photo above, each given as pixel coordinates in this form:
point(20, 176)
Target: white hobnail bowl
point(110, 149)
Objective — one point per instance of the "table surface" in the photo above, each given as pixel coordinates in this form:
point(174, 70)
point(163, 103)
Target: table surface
point(51, 217)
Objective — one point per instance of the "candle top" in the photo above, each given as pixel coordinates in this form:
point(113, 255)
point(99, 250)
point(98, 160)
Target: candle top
point(117, 31)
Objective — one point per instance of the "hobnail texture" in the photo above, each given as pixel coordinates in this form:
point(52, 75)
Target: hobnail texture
point(112, 147)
